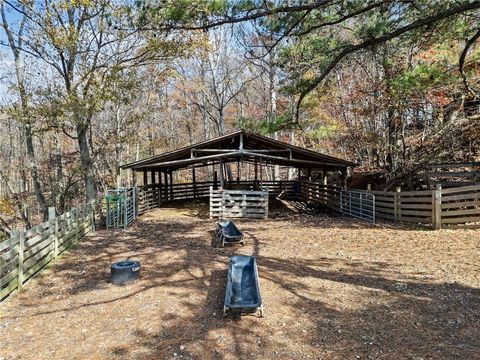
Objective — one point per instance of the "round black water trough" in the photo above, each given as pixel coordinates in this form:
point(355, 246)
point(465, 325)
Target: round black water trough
point(124, 272)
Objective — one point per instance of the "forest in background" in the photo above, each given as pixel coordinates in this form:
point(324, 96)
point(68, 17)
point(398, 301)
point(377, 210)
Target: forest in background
point(87, 85)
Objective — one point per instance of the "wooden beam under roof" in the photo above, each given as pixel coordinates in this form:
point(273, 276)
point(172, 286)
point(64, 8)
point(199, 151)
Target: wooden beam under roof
point(242, 154)
point(241, 140)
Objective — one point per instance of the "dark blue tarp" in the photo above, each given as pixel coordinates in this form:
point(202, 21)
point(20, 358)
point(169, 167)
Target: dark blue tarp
point(243, 290)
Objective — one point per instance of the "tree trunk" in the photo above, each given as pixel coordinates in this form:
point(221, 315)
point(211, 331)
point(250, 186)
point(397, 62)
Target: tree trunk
point(59, 179)
point(42, 203)
point(85, 161)
point(15, 47)
point(118, 148)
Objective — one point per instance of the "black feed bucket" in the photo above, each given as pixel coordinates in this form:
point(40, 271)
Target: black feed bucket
point(124, 272)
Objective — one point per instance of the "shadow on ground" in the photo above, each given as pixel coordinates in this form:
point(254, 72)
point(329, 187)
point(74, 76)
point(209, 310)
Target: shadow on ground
point(316, 306)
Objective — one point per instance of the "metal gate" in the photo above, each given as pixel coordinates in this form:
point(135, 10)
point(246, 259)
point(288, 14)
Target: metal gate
point(358, 204)
point(121, 207)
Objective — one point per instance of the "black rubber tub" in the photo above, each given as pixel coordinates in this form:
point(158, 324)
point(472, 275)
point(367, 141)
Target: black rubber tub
point(124, 272)
point(242, 294)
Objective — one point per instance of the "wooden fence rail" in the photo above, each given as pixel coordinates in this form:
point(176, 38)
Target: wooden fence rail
point(27, 252)
point(318, 194)
point(154, 195)
point(238, 204)
point(454, 207)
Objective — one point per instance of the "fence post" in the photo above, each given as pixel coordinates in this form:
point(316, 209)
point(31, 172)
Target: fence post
point(437, 207)
point(107, 220)
point(125, 216)
point(21, 249)
point(52, 216)
point(396, 204)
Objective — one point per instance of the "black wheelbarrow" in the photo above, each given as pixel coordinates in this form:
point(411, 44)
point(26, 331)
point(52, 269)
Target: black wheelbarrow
point(242, 294)
point(227, 232)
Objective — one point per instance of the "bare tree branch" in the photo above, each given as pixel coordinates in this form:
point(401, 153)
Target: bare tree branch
point(379, 40)
point(463, 56)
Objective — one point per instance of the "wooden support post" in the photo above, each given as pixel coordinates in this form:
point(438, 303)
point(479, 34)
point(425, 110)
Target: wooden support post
point(51, 216)
point(160, 189)
point(51, 213)
point(170, 180)
point(255, 169)
point(194, 181)
point(135, 187)
point(145, 178)
point(165, 176)
point(221, 174)
point(397, 204)
point(134, 178)
point(344, 179)
point(299, 174)
point(261, 171)
point(238, 171)
point(152, 177)
point(125, 213)
point(325, 177)
point(437, 207)
point(369, 187)
point(21, 249)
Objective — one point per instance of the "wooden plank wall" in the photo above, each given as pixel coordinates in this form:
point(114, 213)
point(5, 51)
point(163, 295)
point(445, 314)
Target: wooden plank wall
point(283, 187)
point(453, 174)
point(238, 204)
point(460, 207)
point(318, 194)
point(27, 252)
point(152, 195)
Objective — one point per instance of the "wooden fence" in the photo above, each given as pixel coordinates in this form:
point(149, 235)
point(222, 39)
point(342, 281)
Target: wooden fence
point(317, 194)
point(460, 207)
point(27, 252)
point(153, 195)
point(238, 204)
point(452, 174)
point(453, 207)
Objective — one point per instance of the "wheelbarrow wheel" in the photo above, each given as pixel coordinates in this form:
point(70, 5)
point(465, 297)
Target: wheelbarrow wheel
point(260, 312)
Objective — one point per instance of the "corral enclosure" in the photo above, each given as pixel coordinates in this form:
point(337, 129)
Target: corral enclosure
point(28, 252)
point(333, 288)
point(317, 183)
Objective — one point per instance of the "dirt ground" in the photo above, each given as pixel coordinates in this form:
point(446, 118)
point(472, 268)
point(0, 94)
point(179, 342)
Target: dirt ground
point(333, 288)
